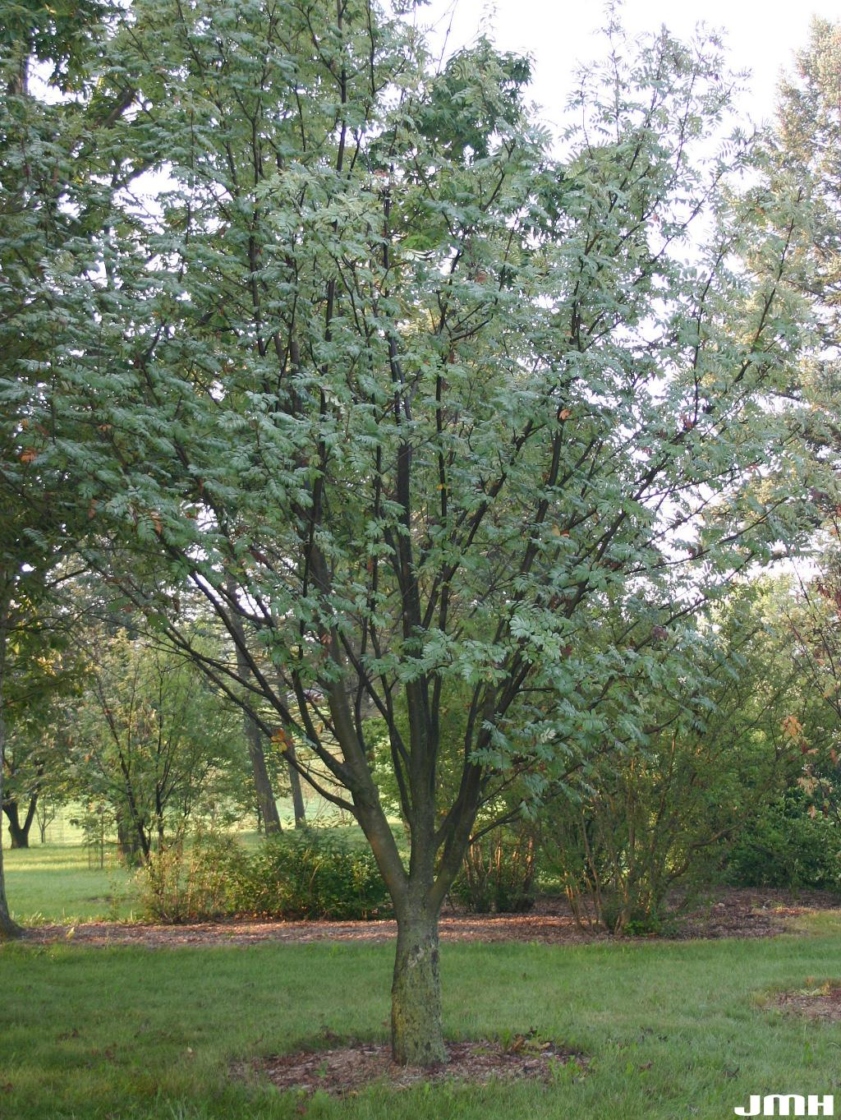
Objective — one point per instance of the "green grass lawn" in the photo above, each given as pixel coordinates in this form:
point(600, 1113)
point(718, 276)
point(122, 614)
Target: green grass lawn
point(672, 1029)
point(62, 884)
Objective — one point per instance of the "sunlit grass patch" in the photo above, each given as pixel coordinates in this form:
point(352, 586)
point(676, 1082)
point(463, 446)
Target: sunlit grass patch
point(63, 884)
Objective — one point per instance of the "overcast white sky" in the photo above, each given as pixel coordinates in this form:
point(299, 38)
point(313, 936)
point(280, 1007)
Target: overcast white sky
point(560, 33)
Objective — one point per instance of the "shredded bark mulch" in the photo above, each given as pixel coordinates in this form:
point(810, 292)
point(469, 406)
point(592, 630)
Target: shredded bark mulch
point(820, 1002)
point(345, 1070)
point(732, 913)
point(752, 913)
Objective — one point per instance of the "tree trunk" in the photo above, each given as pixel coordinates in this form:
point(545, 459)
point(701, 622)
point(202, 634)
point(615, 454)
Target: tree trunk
point(128, 842)
point(19, 833)
point(417, 1033)
point(298, 806)
point(253, 736)
point(262, 781)
point(8, 928)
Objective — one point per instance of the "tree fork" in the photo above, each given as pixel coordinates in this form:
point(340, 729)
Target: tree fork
point(19, 833)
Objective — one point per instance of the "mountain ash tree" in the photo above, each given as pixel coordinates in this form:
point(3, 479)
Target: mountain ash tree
point(414, 405)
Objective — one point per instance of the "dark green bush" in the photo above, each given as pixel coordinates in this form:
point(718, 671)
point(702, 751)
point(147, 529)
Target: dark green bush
point(309, 873)
point(192, 882)
point(785, 847)
point(312, 873)
point(645, 919)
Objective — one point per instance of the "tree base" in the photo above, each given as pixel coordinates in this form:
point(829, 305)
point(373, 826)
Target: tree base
point(417, 1035)
point(9, 930)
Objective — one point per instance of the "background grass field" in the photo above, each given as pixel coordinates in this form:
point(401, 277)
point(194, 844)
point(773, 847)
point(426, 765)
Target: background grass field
point(63, 881)
point(63, 884)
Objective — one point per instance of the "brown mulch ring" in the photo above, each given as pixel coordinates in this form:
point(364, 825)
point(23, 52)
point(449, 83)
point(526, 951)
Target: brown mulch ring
point(815, 1001)
point(732, 913)
point(346, 1070)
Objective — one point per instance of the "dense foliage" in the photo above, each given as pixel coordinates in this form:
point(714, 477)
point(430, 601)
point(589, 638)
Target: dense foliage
point(306, 874)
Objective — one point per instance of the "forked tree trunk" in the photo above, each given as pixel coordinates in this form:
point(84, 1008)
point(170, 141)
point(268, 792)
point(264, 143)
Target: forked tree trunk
point(417, 1033)
point(18, 835)
point(19, 832)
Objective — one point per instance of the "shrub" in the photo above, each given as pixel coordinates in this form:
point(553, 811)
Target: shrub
point(498, 873)
point(312, 873)
point(192, 882)
point(785, 847)
point(309, 873)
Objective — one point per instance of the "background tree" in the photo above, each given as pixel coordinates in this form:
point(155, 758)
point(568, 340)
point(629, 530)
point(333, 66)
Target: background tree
point(806, 168)
point(812, 616)
point(42, 672)
point(807, 136)
point(805, 155)
point(38, 143)
point(665, 810)
point(415, 407)
point(150, 740)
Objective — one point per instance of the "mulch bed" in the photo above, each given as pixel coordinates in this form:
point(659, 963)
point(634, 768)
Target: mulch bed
point(733, 913)
point(752, 913)
point(345, 1070)
point(822, 1002)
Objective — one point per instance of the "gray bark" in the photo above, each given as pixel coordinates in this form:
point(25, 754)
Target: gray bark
point(262, 781)
point(298, 806)
point(417, 1034)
